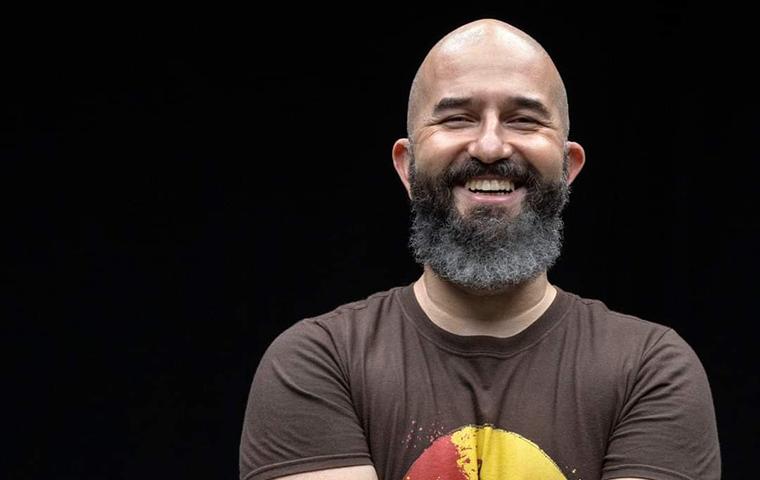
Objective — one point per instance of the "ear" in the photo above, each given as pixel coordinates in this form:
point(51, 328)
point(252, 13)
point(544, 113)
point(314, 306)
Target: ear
point(401, 159)
point(576, 158)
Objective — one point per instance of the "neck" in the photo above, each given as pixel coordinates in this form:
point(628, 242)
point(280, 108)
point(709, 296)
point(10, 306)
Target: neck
point(468, 312)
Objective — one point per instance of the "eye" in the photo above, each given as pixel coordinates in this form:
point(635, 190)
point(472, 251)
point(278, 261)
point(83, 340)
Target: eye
point(457, 121)
point(523, 122)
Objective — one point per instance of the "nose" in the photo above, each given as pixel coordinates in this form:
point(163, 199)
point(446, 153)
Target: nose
point(491, 144)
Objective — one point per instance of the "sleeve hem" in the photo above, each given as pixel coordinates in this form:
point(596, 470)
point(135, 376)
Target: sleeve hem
point(643, 471)
point(309, 464)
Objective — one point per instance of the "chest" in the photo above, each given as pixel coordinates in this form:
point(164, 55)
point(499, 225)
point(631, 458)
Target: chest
point(544, 413)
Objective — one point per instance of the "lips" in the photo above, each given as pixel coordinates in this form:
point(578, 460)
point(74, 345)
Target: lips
point(494, 186)
point(496, 178)
point(469, 198)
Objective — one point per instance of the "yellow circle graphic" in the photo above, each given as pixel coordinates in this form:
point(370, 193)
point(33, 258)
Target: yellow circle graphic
point(483, 453)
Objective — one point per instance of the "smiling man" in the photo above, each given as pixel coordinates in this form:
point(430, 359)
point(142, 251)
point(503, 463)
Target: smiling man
point(481, 369)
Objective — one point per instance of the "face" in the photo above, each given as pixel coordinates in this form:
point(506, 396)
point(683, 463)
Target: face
point(489, 103)
point(487, 166)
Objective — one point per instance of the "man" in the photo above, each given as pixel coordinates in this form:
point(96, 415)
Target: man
point(481, 368)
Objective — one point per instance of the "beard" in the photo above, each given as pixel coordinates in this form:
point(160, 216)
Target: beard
point(485, 249)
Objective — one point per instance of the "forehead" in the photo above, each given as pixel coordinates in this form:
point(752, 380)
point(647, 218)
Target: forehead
point(488, 71)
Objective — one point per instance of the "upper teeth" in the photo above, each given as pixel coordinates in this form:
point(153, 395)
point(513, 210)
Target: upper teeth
point(490, 185)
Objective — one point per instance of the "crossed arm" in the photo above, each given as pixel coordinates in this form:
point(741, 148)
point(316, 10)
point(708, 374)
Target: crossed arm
point(362, 472)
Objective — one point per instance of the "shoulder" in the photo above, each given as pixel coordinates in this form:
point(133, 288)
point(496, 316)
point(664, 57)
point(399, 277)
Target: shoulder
point(629, 354)
point(347, 324)
point(612, 343)
point(360, 310)
point(594, 318)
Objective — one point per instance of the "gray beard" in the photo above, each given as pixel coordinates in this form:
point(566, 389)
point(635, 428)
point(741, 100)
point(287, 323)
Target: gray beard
point(485, 250)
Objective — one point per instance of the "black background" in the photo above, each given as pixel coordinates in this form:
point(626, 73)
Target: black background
point(178, 189)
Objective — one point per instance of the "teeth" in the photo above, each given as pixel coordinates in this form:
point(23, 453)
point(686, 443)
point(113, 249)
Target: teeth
point(490, 185)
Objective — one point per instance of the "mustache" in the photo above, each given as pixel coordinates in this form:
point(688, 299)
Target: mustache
point(517, 172)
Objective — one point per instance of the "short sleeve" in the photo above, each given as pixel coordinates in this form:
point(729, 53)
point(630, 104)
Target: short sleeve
point(300, 416)
point(666, 428)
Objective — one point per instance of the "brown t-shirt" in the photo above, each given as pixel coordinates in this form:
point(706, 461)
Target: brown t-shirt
point(583, 393)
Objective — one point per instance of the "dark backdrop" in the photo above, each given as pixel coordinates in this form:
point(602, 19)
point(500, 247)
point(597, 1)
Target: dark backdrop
point(178, 191)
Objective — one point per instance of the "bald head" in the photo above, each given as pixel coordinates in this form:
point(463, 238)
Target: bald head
point(491, 43)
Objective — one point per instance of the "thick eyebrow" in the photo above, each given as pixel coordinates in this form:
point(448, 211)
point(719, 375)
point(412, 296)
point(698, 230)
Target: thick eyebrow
point(453, 103)
point(532, 104)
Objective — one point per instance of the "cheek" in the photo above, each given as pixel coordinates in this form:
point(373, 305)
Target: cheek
point(546, 158)
point(550, 168)
point(432, 161)
point(437, 152)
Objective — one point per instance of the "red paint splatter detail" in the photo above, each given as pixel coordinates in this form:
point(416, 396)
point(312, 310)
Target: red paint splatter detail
point(438, 461)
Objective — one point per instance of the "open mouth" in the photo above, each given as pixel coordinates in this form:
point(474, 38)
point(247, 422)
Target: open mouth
point(492, 186)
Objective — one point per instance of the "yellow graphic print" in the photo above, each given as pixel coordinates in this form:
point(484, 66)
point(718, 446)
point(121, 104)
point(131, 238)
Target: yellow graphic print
point(483, 453)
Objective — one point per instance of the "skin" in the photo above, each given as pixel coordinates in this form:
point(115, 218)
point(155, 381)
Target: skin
point(363, 472)
point(492, 64)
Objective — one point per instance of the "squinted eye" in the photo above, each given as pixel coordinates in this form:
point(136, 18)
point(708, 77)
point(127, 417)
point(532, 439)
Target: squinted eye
point(523, 122)
point(457, 120)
